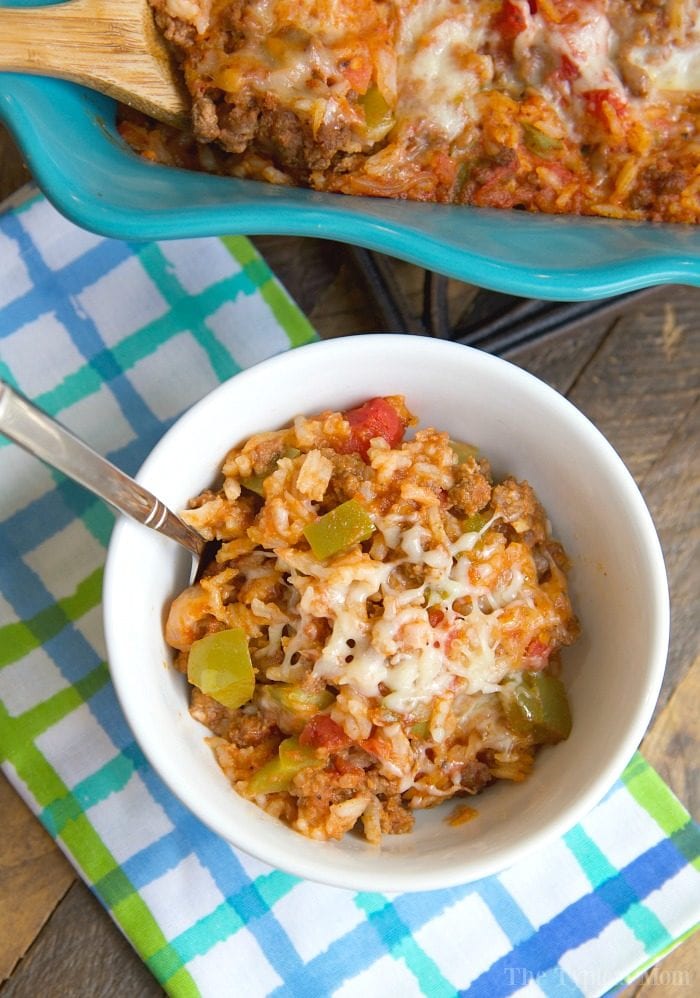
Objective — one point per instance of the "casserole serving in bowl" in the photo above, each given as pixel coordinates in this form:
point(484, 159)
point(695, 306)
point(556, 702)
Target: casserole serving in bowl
point(617, 585)
point(70, 140)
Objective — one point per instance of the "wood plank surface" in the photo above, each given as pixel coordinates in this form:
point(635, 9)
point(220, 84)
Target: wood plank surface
point(671, 487)
point(671, 747)
point(671, 743)
point(13, 169)
point(642, 380)
point(34, 876)
point(643, 395)
point(638, 378)
point(81, 953)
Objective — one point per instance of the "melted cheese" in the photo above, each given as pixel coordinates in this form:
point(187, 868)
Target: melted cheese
point(438, 65)
point(400, 655)
point(589, 44)
point(677, 70)
point(194, 12)
point(416, 678)
point(446, 100)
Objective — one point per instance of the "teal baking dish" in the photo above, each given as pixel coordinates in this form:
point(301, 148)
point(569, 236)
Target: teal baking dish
point(69, 139)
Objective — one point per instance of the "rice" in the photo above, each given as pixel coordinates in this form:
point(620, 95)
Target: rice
point(586, 107)
point(392, 670)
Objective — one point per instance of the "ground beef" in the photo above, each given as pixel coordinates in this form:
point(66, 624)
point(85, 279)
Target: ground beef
point(283, 137)
point(206, 496)
point(320, 788)
point(231, 21)
point(334, 801)
point(471, 491)
point(471, 774)
point(239, 122)
point(475, 776)
point(251, 729)
point(329, 804)
point(349, 472)
point(266, 451)
point(517, 505)
point(232, 125)
point(178, 32)
point(276, 133)
point(395, 818)
point(210, 712)
point(180, 661)
point(656, 182)
point(205, 119)
point(239, 764)
point(331, 140)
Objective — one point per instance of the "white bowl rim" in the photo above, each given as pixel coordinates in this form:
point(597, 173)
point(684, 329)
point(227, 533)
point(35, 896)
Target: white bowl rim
point(467, 870)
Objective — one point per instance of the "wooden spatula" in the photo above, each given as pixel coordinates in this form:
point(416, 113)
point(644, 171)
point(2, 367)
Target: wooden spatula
point(109, 45)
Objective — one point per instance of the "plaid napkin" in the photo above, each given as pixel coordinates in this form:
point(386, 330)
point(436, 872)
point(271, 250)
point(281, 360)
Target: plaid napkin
point(117, 340)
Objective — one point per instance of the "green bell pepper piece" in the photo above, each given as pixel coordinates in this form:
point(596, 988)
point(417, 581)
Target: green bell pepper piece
point(298, 701)
point(339, 529)
point(219, 665)
point(255, 482)
point(421, 729)
point(475, 522)
point(539, 142)
point(278, 774)
point(463, 451)
point(539, 707)
point(378, 114)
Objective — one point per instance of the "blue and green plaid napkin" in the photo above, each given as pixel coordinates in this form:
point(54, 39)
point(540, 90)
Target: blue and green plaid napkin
point(117, 340)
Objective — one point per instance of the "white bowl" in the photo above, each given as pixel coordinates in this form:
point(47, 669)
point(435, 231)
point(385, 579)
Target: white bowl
point(618, 584)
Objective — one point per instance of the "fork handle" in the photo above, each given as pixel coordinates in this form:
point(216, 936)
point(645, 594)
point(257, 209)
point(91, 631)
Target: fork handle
point(45, 438)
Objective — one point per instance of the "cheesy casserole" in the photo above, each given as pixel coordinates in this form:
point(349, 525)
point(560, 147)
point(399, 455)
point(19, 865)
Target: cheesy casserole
point(576, 106)
point(380, 628)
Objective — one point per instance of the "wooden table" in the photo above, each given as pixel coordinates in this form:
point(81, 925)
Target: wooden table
point(638, 378)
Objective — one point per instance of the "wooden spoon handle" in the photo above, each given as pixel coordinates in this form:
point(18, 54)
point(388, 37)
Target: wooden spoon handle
point(109, 45)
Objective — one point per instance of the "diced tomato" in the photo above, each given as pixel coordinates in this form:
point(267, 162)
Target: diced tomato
point(494, 177)
point(358, 73)
point(568, 70)
point(510, 20)
point(377, 746)
point(498, 192)
point(596, 99)
point(342, 765)
point(538, 654)
point(444, 168)
point(375, 418)
point(322, 732)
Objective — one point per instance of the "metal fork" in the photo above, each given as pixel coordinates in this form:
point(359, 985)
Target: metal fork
point(44, 437)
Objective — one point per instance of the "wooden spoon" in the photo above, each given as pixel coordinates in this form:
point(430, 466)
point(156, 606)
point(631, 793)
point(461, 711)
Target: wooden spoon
point(108, 45)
